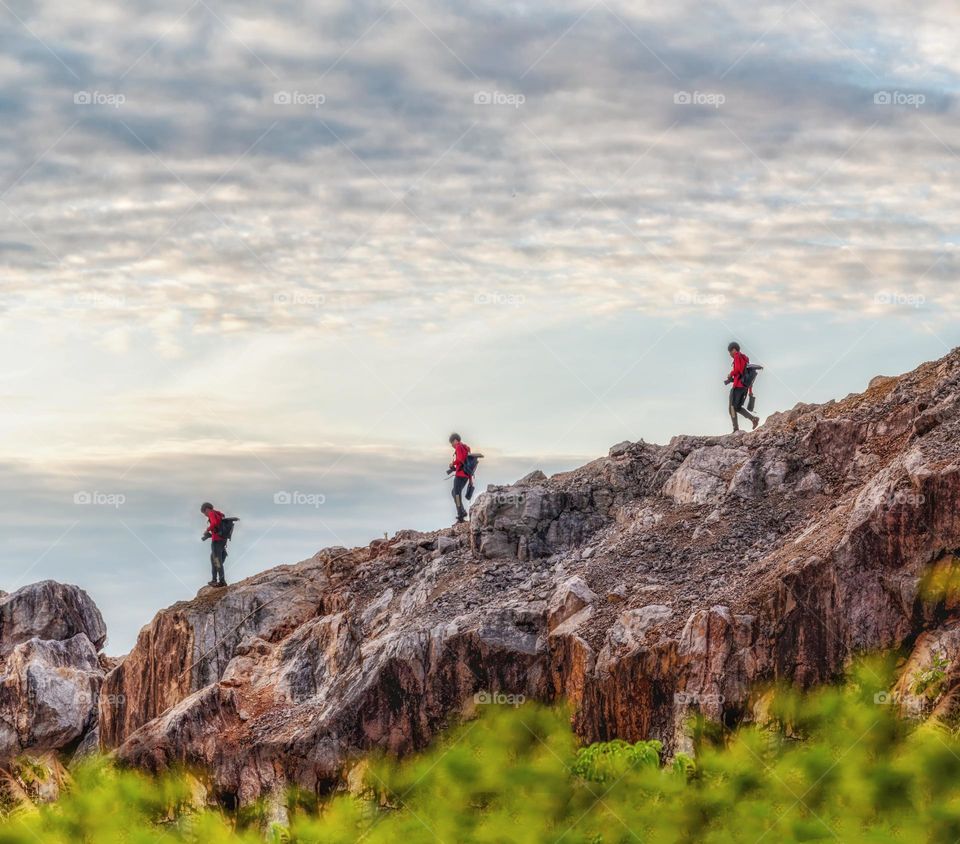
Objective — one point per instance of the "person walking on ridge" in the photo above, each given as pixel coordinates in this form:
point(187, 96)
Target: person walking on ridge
point(739, 391)
point(461, 451)
point(218, 530)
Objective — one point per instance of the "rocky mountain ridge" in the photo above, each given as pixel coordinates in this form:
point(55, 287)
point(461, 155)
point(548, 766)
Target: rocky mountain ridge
point(647, 585)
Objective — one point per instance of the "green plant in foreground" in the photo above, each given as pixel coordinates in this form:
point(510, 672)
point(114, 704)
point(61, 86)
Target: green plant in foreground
point(929, 682)
point(833, 765)
point(607, 761)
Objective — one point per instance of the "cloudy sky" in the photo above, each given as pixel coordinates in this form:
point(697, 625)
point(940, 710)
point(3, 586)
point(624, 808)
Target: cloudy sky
point(266, 248)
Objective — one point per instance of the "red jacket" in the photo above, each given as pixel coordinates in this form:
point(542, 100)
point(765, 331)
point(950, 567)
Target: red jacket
point(214, 517)
point(740, 362)
point(460, 452)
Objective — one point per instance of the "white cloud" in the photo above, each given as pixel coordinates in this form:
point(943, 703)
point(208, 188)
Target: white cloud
point(399, 186)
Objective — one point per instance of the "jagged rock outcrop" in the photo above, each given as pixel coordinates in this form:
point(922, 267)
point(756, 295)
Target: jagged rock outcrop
point(190, 645)
point(50, 669)
point(655, 582)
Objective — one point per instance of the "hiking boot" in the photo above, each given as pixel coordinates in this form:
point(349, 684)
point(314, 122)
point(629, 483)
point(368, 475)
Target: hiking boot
point(756, 421)
point(213, 583)
point(221, 584)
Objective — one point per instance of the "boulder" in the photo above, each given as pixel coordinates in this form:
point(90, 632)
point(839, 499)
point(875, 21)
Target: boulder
point(49, 694)
point(48, 610)
point(50, 668)
point(705, 474)
point(446, 543)
point(569, 598)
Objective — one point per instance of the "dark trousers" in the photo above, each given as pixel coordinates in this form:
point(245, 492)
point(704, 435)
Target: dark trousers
point(218, 553)
point(458, 486)
point(738, 396)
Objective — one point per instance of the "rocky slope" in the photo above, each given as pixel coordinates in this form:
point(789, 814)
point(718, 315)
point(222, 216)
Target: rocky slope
point(657, 581)
point(51, 669)
point(650, 583)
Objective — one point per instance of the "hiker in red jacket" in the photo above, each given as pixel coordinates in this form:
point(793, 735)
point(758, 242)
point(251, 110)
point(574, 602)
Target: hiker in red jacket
point(460, 453)
point(218, 547)
point(739, 391)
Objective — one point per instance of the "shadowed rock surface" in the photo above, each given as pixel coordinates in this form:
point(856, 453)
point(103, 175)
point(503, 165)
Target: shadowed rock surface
point(649, 584)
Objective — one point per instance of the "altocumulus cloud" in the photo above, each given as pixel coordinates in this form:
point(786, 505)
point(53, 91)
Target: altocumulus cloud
point(321, 164)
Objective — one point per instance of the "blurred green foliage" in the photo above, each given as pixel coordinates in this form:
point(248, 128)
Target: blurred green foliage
point(836, 764)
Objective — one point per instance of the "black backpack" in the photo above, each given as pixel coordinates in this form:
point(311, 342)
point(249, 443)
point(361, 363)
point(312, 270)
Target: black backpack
point(226, 527)
point(750, 374)
point(470, 467)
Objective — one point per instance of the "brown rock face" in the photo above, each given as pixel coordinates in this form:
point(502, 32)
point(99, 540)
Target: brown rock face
point(188, 647)
point(726, 561)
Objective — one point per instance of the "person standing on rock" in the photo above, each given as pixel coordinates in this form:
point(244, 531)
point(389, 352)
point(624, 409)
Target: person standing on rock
point(218, 547)
point(461, 451)
point(739, 391)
